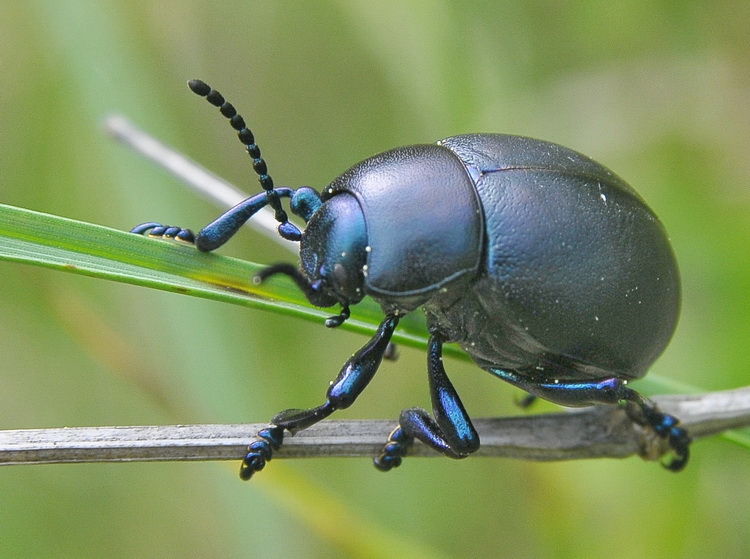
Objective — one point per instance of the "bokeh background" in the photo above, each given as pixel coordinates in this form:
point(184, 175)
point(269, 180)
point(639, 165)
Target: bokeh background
point(659, 91)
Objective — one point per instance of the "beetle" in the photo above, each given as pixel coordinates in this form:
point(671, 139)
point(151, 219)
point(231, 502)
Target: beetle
point(548, 269)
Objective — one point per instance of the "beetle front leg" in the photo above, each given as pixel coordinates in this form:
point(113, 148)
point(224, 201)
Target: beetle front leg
point(158, 230)
point(354, 376)
point(450, 432)
point(223, 228)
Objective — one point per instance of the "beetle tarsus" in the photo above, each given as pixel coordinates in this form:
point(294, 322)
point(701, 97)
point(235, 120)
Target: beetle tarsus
point(260, 451)
point(157, 230)
point(450, 432)
point(339, 319)
point(666, 426)
point(393, 452)
point(680, 441)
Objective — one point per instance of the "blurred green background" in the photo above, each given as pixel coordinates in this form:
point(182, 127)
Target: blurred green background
point(659, 91)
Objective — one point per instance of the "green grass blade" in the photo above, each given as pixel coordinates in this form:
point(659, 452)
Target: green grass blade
point(73, 246)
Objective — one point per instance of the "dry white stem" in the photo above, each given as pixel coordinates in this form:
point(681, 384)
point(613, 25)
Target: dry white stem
point(596, 432)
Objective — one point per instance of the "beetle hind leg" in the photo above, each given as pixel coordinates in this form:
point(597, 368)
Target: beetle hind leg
point(666, 426)
point(607, 391)
point(450, 432)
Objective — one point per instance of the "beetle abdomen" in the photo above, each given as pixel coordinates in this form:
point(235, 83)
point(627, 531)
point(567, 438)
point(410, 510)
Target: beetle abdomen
point(577, 267)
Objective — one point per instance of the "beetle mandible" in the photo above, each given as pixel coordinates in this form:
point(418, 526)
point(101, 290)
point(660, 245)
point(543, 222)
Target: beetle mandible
point(544, 266)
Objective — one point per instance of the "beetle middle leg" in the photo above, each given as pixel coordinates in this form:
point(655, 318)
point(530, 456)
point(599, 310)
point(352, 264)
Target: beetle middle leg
point(450, 432)
point(354, 376)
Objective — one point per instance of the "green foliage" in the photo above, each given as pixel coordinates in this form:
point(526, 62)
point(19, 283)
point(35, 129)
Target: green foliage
point(83, 248)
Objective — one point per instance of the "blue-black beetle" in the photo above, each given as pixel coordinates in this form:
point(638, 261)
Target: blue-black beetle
point(543, 265)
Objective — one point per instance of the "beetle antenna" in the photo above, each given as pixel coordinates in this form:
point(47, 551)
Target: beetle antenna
point(245, 135)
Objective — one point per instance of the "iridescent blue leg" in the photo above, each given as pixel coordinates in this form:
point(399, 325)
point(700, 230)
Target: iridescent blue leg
point(450, 432)
point(223, 228)
point(354, 376)
point(220, 230)
point(607, 391)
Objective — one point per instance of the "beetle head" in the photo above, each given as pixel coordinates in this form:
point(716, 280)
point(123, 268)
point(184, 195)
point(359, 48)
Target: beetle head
point(333, 251)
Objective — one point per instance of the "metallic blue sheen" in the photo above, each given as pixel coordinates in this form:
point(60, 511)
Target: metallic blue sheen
point(567, 392)
point(547, 268)
point(219, 231)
